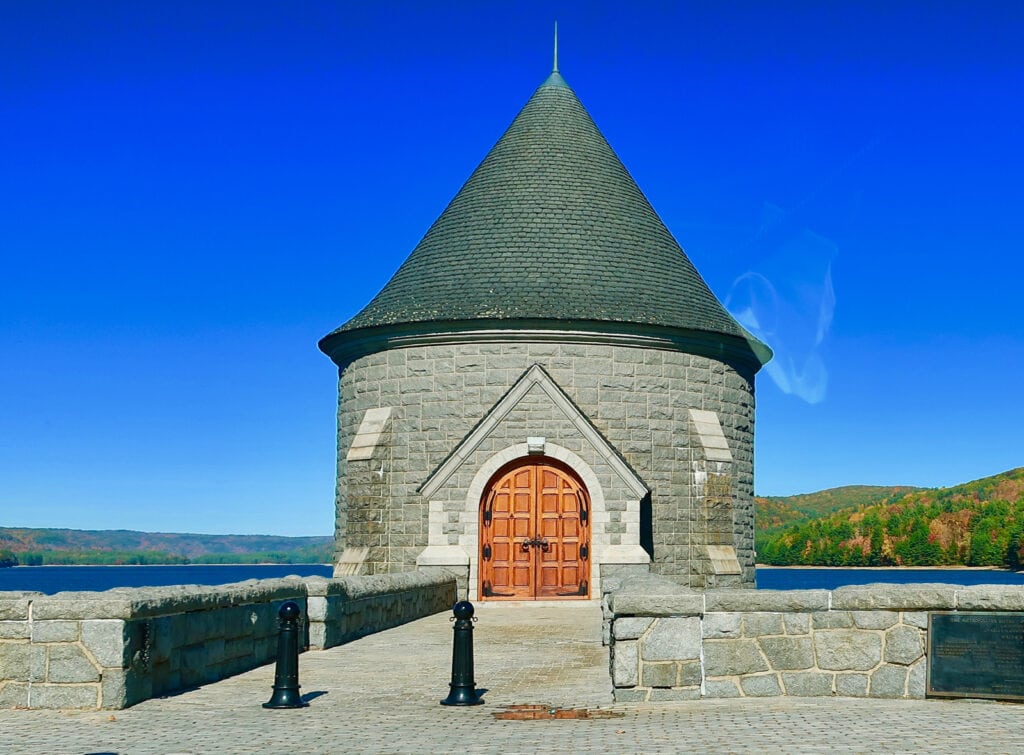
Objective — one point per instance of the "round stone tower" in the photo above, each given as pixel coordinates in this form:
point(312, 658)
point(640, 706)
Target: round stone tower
point(547, 392)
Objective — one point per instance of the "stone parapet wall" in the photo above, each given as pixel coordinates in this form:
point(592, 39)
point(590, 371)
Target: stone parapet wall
point(864, 641)
point(116, 648)
point(346, 608)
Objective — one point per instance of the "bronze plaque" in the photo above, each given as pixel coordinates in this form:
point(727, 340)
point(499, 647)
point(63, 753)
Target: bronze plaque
point(976, 654)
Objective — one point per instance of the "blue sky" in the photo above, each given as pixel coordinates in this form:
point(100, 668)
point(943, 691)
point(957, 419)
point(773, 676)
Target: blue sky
point(193, 193)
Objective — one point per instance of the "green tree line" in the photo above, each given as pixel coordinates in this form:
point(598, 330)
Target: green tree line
point(36, 547)
point(145, 558)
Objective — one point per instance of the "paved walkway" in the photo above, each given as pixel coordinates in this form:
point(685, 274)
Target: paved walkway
point(380, 695)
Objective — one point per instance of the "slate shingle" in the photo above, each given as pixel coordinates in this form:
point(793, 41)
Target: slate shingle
point(550, 226)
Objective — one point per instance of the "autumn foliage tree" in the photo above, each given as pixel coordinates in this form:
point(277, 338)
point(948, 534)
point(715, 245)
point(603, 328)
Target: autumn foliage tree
point(979, 523)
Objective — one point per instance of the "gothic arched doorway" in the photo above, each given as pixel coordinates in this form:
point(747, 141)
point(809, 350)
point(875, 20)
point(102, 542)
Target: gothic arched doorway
point(534, 533)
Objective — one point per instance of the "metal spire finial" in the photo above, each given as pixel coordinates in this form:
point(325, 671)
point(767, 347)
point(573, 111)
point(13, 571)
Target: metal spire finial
point(555, 69)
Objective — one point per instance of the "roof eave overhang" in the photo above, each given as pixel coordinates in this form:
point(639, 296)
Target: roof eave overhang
point(345, 346)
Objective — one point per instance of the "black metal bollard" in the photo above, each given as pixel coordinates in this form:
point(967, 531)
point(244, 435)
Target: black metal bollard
point(463, 686)
point(286, 674)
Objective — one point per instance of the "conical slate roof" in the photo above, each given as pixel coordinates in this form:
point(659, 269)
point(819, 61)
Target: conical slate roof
point(549, 232)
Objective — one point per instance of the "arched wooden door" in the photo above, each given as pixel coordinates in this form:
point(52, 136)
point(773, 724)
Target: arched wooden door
point(534, 533)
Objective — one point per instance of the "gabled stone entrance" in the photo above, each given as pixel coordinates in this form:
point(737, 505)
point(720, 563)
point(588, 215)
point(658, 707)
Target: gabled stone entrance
point(548, 426)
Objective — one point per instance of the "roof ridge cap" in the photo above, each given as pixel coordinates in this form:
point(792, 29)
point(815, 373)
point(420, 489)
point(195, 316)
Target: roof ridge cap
point(555, 79)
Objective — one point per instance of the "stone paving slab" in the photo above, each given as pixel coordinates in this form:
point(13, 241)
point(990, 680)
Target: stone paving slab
point(380, 694)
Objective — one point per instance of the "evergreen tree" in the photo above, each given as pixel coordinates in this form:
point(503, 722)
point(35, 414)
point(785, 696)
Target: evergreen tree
point(1014, 557)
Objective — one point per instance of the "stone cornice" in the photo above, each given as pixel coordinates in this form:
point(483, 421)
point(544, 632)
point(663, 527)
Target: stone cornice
point(344, 347)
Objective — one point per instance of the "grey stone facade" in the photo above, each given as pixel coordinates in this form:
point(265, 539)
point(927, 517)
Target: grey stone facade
point(637, 399)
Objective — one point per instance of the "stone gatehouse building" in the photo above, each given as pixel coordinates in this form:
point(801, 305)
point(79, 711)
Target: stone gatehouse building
point(546, 392)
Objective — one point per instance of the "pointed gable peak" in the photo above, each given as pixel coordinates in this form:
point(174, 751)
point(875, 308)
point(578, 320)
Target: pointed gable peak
point(534, 379)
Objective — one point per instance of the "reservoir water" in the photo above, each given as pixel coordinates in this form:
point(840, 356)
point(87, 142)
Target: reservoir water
point(812, 578)
point(52, 579)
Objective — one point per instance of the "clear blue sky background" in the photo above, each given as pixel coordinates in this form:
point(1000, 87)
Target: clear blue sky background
point(192, 193)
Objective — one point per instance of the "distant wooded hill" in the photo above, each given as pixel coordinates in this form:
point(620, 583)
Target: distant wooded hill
point(35, 547)
point(979, 523)
point(775, 513)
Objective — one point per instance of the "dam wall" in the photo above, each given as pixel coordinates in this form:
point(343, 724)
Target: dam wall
point(669, 643)
point(112, 649)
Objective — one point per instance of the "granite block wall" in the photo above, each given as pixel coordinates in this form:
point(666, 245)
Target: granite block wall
point(116, 648)
point(344, 609)
point(637, 398)
point(864, 641)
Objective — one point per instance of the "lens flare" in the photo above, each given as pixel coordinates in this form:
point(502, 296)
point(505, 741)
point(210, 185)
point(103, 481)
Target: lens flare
point(788, 302)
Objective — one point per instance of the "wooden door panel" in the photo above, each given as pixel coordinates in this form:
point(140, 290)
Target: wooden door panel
point(541, 505)
point(502, 518)
point(522, 576)
point(548, 579)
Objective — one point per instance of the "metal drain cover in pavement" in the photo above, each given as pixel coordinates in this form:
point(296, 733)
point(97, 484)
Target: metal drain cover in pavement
point(539, 712)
